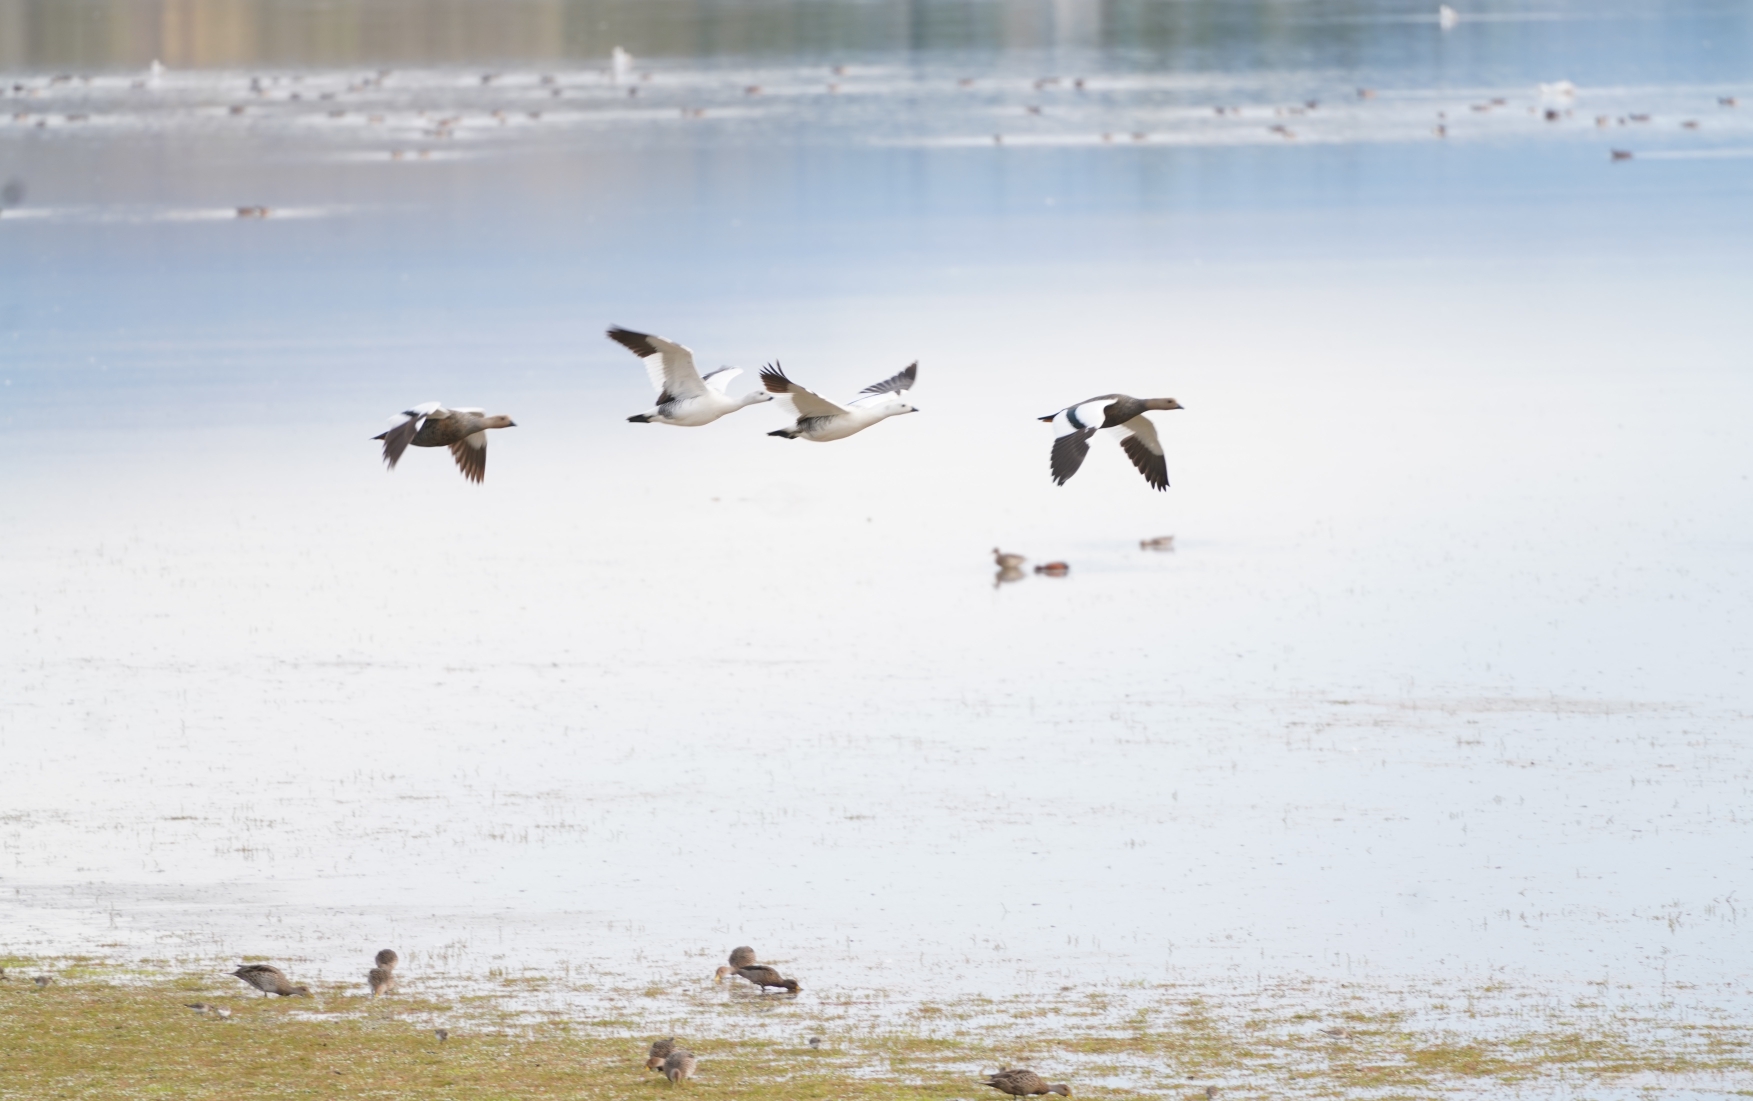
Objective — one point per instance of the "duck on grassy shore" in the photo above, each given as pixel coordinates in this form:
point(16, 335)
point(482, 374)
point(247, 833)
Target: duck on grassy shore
point(270, 980)
point(1024, 1083)
point(678, 1066)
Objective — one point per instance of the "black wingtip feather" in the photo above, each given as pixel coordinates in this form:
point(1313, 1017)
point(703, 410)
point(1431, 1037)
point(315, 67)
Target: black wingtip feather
point(638, 343)
point(773, 378)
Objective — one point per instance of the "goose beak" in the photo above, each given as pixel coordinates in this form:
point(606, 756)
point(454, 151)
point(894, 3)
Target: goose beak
point(511, 424)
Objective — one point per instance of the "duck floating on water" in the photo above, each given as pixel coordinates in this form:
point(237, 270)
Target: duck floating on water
point(430, 424)
point(1077, 423)
point(821, 420)
point(685, 397)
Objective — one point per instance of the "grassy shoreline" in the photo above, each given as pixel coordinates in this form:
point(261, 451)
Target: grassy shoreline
point(103, 1030)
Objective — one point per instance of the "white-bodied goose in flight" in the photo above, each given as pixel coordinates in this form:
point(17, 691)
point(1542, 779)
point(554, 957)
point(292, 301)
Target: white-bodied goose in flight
point(1077, 423)
point(685, 397)
point(821, 420)
point(430, 424)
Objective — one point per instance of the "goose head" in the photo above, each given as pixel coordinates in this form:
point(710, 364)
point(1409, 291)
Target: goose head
point(498, 420)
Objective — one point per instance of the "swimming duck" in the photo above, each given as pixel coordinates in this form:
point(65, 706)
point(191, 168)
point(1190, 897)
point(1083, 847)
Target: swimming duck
point(763, 976)
point(1007, 561)
point(1024, 1083)
point(685, 397)
point(1158, 543)
point(270, 980)
point(821, 420)
point(1077, 423)
point(430, 424)
point(678, 1066)
point(740, 956)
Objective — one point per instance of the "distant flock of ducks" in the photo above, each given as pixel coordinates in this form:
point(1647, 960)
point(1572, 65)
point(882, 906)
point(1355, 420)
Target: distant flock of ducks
point(668, 1056)
point(688, 399)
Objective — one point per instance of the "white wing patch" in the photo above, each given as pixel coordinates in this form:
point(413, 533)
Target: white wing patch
point(721, 378)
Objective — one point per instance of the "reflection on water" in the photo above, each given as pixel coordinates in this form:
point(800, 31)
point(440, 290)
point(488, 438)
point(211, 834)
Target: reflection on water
point(1458, 511)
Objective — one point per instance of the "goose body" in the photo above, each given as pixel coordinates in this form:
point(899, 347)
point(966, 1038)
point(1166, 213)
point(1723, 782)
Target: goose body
point(270, 980)
point(821, 420)
point(1024, 1083)
point(660, 1050)
point(740, 956)
point(382, 980)
point(678, 1066)
point(1077, 423)
point(430, 424)
point(685, 397)
point(763, 976)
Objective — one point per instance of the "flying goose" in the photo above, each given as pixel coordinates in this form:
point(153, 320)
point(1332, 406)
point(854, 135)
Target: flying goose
point(678, 1066)
point(1079, 422)
point(685, 398)
point(1023, 1083)
point(821, 420)
point(740, 956)
point(660, 1050)
point(763, 976)
point(430, 424)
point(270, 980)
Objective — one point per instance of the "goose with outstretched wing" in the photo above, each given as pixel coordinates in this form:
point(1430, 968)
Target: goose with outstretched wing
point(821, 420)
point(1077, 423)
point(685, 397)
point(430, 424)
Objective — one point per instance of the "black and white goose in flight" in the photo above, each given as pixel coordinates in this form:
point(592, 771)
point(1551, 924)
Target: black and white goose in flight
point(1077, 423)
point(430, 424)
point(685, 397)
point(821, 420)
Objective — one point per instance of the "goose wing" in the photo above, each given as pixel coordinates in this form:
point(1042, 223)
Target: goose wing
point(470, 452)
point(720, 378)
point(397, 437)
point(672, 370)
point(1145, 450)
point(898, 383)
point(1068, 454)
point(807, 403)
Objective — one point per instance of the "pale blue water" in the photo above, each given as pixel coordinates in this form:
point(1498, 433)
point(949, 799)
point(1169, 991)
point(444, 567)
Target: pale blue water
point(1455, 627)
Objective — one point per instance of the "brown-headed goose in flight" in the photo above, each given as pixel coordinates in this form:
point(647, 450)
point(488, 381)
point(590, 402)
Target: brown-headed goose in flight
point(821, 420)
point(685, 397)
point(430, 424)
point(1077, 423)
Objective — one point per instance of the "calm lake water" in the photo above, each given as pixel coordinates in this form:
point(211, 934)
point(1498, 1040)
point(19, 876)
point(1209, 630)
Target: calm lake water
point(1446, 678)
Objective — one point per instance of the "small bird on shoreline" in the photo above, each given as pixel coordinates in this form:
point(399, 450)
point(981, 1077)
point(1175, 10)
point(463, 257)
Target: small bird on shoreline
point(685, 397)
point(740, 956)
point(660, 1050)
point(270, 980)
point(678, 1066)
point(1024, 1083)
point(430, 424)
point(821, 420)
point(382, 978)
point(1079, 422)
point(763, 976)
